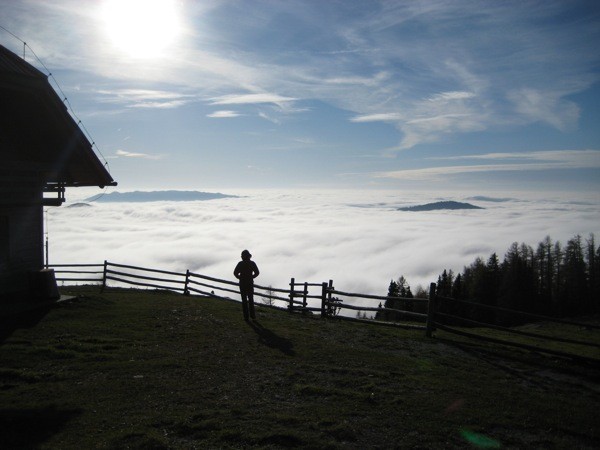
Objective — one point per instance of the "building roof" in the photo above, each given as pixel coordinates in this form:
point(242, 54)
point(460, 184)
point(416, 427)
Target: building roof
point(37, 133)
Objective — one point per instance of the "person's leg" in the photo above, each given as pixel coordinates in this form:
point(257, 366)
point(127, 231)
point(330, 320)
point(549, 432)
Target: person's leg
point(245, 305)
point(251, 304)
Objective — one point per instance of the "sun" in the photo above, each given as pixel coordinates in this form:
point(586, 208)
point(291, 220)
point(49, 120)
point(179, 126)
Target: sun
point(142, 28)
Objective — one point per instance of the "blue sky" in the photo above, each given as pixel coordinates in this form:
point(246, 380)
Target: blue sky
point(470, 95)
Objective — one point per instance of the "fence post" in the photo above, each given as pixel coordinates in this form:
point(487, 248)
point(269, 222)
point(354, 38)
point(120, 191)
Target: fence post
point(187, 281)
point(291, 305)
point(323, 299)
point(329, 296)
point(305, 293)
point(431, 307)
point(104, 277)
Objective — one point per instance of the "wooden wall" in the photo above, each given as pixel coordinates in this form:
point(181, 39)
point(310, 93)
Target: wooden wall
point(21, 240)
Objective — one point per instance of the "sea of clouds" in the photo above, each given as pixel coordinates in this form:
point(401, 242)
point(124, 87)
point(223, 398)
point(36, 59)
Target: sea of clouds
point(358, 239)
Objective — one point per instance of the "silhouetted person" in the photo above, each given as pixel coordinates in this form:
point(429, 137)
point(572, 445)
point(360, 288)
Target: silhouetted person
point(246, 271)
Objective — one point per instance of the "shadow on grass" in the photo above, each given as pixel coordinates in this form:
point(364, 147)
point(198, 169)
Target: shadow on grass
point(270, 339)
point(28, 428)
point(526, 364)
point(26, 319)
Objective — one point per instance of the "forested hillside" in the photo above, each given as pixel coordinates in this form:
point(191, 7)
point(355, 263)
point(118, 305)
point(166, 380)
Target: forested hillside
point(553, 279)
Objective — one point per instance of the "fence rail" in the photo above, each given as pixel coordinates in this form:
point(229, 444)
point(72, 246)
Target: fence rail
point(305, 297)
point(440, 320)
point(402, 317)
point(517, 313)
point(329, 302)
point(59, 269)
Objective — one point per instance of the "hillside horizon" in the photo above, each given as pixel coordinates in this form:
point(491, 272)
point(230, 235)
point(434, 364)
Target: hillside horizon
point(157, 196)
point(435, 206)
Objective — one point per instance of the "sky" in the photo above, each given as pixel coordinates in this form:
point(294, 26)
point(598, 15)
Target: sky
point(324, 117)
point(383, 95)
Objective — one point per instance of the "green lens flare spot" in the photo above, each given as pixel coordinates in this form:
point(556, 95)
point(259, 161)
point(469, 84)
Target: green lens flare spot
point(479, 440)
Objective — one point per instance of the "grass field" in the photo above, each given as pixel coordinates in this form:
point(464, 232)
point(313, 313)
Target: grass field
point(142, 369)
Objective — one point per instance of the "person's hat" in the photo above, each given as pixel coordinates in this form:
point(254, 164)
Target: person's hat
point(246, 253)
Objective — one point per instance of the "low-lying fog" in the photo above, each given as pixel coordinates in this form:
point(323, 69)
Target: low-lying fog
point(358, 239)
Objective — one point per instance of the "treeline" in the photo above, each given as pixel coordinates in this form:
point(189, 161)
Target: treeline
point(552, 280)
point(400, 298)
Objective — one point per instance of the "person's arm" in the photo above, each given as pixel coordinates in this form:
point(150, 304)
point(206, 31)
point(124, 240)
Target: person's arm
point(236, 271)
point(256, 272)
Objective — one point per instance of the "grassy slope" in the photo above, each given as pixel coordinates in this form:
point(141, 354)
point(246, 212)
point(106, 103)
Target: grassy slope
point(157, 370)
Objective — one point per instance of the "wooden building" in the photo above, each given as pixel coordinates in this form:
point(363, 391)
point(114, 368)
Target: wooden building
point(42, 152)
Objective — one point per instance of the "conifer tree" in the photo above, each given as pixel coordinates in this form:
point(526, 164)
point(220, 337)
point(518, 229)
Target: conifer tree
point(596, 299)
point(553, 280)
point(402, 286)
point(444, 284)
point(593, 275)
point(518, 288)
point(457, 287)
point(546, 273)
point(558, 278)
point(574, 289)
point(493, 278)
point(393, 290)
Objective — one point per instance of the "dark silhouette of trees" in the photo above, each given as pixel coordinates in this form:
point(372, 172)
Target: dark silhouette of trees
point(547, 272)
point(573, 292)
point(444, 283)
point(593, 265)
point(399, 295)
point(403, 287)
point(551, 280)
point(393, 290)
point(480, 280)
point(518, 288)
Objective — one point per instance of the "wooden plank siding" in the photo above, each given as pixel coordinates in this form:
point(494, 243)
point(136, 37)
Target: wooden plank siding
point(20, 187)
point(22, 228)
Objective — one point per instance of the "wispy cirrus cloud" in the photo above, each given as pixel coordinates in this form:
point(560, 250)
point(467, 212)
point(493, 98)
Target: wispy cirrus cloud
point(126, 154)
point(444, 114)
point(575, 157)
point(223, 114)
point(533, 161)
point(431, 173)
point(431, 118)
point(552, 108)
point(378, 117)
point(145, 98)
point(247, 99)
point(269, 117)
point(453, 95)
point(373, 81)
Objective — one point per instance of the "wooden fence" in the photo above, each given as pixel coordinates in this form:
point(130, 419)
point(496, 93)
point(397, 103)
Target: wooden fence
point(439, 320)
point(320, 298)
point(184, 282)
point(404, 317)
point(324, 299)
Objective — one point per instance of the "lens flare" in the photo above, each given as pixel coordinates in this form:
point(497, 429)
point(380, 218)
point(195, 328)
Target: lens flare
point(479, 440)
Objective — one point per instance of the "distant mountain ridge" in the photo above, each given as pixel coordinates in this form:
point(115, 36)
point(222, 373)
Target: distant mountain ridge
point(440, 206)
point(159, 196)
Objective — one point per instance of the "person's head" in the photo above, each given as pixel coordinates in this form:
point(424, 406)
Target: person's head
point(246, 255)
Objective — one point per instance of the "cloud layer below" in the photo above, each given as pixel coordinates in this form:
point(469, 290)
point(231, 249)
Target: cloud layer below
point(357, 239)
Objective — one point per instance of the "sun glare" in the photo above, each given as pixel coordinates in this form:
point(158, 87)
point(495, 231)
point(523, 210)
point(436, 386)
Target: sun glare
point(142, 28)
